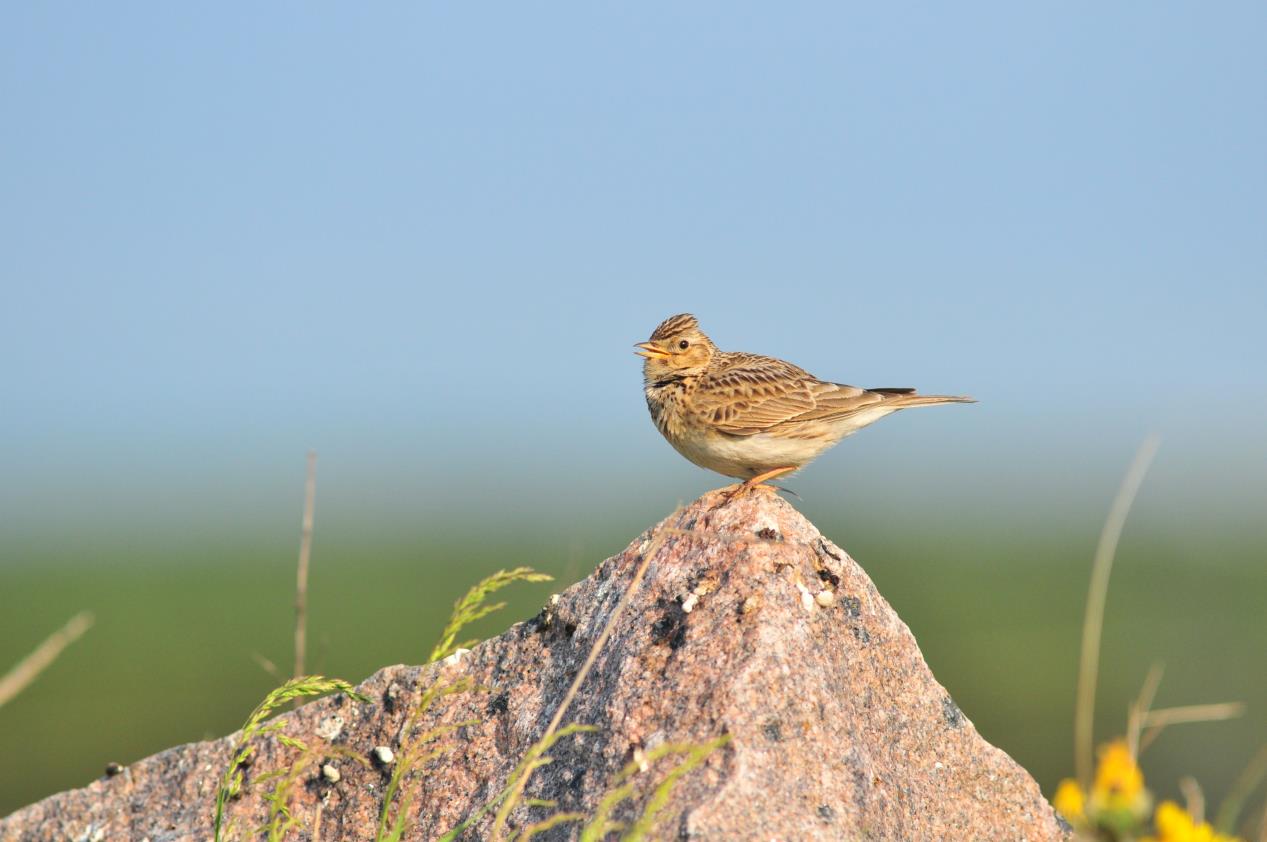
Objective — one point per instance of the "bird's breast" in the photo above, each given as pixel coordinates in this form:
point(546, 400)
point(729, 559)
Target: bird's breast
point(666, 400)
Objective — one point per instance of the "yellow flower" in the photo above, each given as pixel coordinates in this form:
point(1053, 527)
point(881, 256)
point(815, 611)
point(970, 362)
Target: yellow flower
point(1118, 791)
point(1118, 779)
point(1175, 825)
point(1118, 801)
point(1069, 801)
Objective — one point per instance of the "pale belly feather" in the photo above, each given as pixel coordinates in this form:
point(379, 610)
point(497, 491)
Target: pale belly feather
point(747, 456)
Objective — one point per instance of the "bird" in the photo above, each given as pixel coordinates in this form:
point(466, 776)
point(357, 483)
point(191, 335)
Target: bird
point(748, 416)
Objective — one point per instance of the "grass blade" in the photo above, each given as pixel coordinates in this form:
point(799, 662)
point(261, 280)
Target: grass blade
point(1097, 594)
point(29, 668)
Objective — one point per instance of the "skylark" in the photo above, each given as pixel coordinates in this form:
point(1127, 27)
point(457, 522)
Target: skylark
point(752, 417)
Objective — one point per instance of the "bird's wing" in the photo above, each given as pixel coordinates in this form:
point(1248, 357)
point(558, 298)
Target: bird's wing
point(749, 394)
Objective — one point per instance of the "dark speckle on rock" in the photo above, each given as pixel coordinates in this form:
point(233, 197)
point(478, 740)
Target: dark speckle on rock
point(773, 730)
point(684, 831)
point(821, 546)
point(861, 634)
point(113, 769)
point(829, 577)
point(826, 813)
point(1065, 827)
point(852, 606)
point(569, 629)
point(951, 712)
point(670, 628)
point(767, 534)
point(499, 703)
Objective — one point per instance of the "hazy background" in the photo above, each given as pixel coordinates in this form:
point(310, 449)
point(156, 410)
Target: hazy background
point(422, 240)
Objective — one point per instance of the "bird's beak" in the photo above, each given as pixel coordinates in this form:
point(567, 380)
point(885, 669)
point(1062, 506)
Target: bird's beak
point(650, 351)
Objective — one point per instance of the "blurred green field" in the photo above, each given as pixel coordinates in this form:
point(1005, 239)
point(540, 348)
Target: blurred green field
point(997, 612)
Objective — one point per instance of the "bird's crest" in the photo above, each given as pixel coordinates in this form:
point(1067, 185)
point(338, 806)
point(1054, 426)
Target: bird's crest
point(673, 325)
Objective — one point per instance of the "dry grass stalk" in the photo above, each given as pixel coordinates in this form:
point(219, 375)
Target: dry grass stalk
point(1097, 594)
point(1141, 706)
point(1193, 797)
point(1143, 724)
point(1249, 779)
point(266, 665)
point(648, 553)
point(301, 578)
point(1157, 720)
point(29, 668)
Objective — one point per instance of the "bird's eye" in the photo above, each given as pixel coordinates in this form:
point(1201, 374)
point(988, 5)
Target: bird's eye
point(684, 344)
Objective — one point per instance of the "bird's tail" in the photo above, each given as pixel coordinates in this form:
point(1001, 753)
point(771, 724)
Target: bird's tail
point(905, 398)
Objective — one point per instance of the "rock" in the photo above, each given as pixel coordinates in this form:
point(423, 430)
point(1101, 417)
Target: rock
point(837, 728)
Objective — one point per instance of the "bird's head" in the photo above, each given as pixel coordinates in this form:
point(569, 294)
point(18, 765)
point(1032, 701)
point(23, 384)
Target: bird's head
point(677, 347)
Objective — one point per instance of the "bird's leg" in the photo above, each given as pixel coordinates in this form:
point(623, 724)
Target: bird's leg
point(759, 481)
point(769, 475)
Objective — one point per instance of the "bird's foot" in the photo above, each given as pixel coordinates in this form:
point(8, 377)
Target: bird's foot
point(733, 492)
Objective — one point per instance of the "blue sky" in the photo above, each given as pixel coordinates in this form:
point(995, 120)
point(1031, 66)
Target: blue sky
point(426, 236)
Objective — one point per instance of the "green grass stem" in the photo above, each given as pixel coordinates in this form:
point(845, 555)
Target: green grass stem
point(296, 688)
point(472, 607)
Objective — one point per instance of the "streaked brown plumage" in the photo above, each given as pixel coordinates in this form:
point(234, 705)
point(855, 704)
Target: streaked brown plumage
point(749, 416)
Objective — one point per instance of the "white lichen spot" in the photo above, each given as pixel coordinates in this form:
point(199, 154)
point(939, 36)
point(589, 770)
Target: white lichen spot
point(807, 598)
point(455, 657)
point(330, 727)
point(331, 773)
point(383, 755)
point(640, 758)
point(750, 604)
point(825, 598)
point(688, 604)
point(937, 765)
